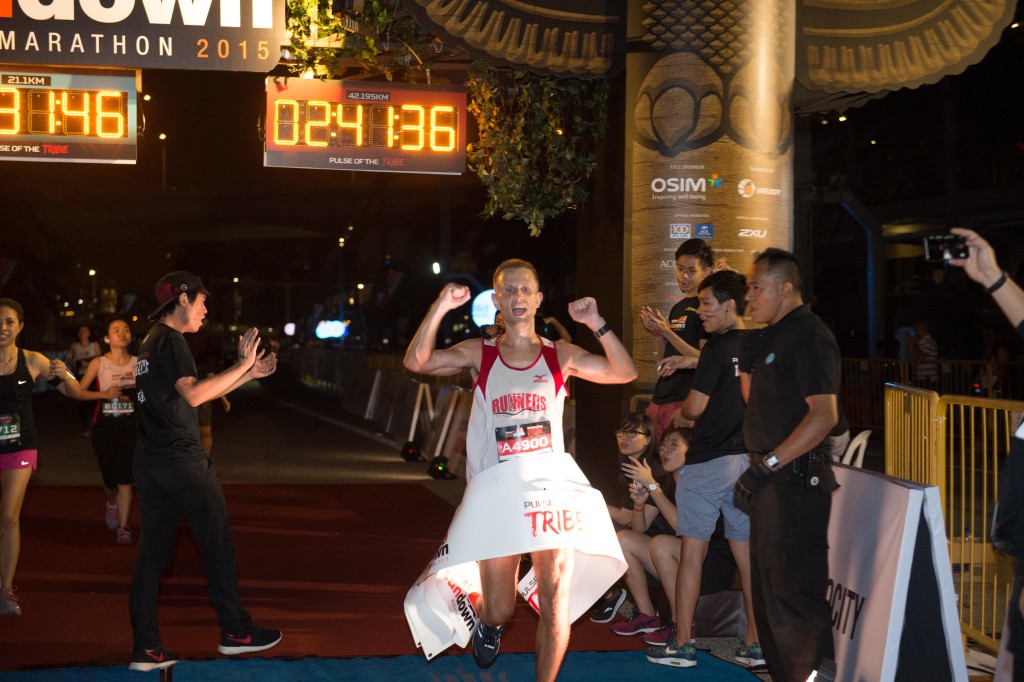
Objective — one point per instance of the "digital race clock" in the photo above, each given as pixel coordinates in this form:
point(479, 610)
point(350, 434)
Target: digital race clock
point(79, 116)
point(360, 125)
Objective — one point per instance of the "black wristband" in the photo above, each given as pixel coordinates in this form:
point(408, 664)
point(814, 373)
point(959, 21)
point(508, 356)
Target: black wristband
point(998, 283)
point(55, 382)
point(603, 330)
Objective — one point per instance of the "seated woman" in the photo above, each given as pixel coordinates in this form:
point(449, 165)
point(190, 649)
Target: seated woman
point(657, 553)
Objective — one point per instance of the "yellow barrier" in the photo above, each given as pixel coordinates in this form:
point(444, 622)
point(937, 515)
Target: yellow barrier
point(958, 444)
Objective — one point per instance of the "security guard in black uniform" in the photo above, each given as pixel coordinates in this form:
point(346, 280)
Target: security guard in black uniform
point(795, 372)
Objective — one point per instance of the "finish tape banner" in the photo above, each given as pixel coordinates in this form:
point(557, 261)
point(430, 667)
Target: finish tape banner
point(525, 504)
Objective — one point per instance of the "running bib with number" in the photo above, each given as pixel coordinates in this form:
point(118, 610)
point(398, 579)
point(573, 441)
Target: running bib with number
point(10, 429)
point(118, 407)
point(519, 439)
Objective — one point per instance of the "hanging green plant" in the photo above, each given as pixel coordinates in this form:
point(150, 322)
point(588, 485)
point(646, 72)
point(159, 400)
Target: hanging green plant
point(382, 39)
point(537, 141)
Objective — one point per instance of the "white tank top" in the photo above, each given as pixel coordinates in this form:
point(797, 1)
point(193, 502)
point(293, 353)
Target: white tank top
point(123, 376)
point(516, 410)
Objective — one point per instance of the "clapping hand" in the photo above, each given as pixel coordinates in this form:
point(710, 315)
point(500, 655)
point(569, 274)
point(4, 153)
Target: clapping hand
point(639, 471)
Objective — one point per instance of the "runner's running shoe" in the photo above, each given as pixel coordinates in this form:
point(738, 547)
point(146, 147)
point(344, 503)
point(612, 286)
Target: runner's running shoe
point(638, 623)
point(144, 660)
point(111, 516)
point(606, 609)
point(124, 536)
point(750, 654)
point(254, 639)
point(486, 642)
point(684, 656)
point(9, 603)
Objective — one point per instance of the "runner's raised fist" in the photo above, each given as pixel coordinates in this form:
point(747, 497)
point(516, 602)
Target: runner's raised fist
point(453, 295)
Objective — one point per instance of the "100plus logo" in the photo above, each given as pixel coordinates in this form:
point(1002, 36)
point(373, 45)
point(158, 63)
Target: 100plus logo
point(227, 35)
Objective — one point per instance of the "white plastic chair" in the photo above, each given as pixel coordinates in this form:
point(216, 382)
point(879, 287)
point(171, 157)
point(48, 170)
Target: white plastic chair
point(854, 455)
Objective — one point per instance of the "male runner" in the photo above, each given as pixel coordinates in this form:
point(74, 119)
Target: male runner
point(517, 403)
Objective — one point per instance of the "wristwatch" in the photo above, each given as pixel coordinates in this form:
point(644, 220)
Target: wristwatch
point(652, 487)
point(772, 462)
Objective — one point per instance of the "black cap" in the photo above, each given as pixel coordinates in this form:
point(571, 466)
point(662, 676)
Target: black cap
point(171, 285)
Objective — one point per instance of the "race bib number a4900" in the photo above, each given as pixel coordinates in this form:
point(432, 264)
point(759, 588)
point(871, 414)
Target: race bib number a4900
point(519, 439)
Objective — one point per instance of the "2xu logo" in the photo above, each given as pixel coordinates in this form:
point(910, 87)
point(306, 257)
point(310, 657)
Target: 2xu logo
point(753, 233)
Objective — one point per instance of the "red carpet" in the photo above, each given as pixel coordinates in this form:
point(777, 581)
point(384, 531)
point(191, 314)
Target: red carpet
point(329, 565)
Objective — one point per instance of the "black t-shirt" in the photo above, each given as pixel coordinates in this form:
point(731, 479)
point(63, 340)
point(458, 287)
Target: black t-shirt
point(801, 359)
point(660, 525)
point(168, 425)
point(719, 430)
point(685, 322)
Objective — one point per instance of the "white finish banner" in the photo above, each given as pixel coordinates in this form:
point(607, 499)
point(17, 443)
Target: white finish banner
point(527, 503)
point(873, 537)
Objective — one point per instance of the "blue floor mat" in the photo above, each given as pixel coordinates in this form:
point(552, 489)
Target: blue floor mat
point(578, 667)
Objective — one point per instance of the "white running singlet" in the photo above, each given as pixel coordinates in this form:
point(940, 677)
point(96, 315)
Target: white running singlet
point(516, 411)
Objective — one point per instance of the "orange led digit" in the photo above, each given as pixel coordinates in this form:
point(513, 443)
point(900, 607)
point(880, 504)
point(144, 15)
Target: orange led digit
point(75, 120)
point(286, 115)
point(417, 127)
point(447, 132)
point(10, 106)
point(318, 117)
point(42, 117)
point(109, 112)
point(355, 126)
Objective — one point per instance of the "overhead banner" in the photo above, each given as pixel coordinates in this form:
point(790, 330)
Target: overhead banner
point(891, 591)
point(708, 142)
point(227, 35)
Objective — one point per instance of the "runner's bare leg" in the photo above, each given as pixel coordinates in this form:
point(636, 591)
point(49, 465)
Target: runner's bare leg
point(553, 569)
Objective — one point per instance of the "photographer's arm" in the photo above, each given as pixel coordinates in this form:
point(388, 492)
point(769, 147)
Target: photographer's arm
point(981, 266)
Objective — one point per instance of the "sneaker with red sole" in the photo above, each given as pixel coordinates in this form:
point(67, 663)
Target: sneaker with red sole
point(661, 636)
point(253, 639)
point(637, 624)
point(144, 660)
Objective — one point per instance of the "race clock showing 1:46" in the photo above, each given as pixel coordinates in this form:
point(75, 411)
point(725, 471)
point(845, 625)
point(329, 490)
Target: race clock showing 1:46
point(83, 116)
point(367, 126)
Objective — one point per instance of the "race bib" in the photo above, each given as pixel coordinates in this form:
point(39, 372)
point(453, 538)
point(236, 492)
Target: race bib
point(10, 429)
point(519, 439)
point(118, 407)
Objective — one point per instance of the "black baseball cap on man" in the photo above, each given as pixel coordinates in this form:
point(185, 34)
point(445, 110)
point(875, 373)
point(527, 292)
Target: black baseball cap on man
point(171, 285)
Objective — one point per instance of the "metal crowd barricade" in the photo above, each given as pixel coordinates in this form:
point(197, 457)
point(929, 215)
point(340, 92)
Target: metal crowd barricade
point(958, 444)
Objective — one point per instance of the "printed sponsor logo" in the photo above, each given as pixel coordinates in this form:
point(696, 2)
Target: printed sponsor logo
point(845, 606)
point(557, 521)
point(517, 403)
point(751, 233)
point(747, 189)
point(704, 231)
point(540, 378)
point(465, 604)
point(662, 185)
point(680, 230)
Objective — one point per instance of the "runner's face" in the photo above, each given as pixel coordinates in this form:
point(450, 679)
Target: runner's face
point(10, 326)
point(119, 335)
point(689, 274)
point(764, 295)
point(713, 315)
point(673, 452)
point(195, 313)
point(517, 296)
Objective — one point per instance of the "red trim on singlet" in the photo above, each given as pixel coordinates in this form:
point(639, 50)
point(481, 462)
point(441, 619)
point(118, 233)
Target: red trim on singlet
point(490, 354)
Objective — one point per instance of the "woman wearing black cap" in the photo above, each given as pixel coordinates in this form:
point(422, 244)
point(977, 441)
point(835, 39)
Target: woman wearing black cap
point(173, 476)
point(19, 369)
